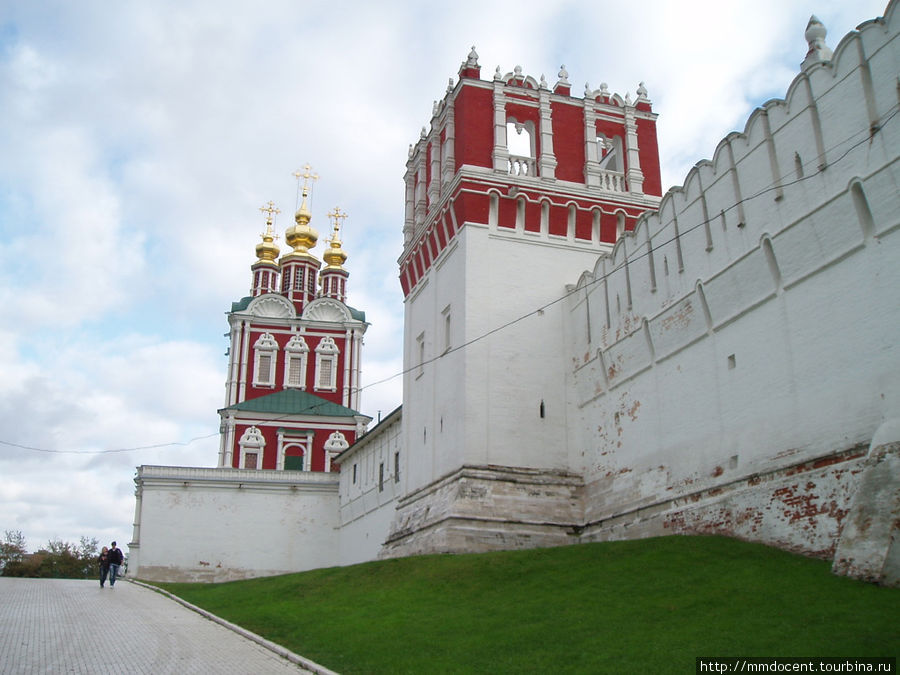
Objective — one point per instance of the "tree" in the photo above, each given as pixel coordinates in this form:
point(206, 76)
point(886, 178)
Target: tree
point(12, 548)
point(60, 559)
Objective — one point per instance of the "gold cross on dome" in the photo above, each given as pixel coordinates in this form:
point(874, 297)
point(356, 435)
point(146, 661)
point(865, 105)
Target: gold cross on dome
point(337, 216)
point(271, 211)
point(307, 176)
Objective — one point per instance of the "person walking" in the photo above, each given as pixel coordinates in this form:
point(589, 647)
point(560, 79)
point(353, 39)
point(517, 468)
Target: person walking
point(104, 565)
point(115, 560)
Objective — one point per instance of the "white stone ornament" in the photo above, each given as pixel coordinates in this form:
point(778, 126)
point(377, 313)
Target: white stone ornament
point(271, 305)
point(336, 442)
point(815, 37)
point(326, 309)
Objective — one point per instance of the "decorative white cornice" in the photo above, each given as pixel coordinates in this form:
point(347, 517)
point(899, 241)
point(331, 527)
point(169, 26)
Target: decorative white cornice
point(271, 305)
point(173, 477)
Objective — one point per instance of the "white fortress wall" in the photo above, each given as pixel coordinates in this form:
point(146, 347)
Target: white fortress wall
point(204, 524)
point(746, 334)
point(371, 470)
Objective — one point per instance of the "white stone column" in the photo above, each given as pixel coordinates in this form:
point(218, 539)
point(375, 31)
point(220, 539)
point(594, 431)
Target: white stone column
point(357, 369)
point(547, 160)
point(409, 220)
point(244, 358)
point(591, 152)
point(421, 203)
point(635, 176)
point(228, 450)
point(234, 351)
point(434, 157)
point(348, 356)
point(501, 149)
point(448, 150)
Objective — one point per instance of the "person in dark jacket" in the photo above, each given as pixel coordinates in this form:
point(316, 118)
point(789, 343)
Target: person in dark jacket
point(115, 560)
point(104, 565)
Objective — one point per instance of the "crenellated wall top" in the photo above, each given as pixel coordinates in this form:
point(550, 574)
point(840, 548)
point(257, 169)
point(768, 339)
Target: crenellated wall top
point(837, 124)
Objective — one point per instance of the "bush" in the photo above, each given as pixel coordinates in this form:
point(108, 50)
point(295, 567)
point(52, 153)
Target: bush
point(59, 560)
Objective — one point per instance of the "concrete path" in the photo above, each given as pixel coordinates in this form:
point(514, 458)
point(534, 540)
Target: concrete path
point(74, 626)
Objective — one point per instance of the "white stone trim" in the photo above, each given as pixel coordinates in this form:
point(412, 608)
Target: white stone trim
point(295, 350)
point(265, 346)
point(326, 351)
point(252, 441)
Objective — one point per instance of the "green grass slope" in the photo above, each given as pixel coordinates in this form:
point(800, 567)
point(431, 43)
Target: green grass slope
point(651, 605)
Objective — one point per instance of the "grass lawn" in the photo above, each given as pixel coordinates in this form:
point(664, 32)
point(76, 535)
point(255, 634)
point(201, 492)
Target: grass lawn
point(647, 606)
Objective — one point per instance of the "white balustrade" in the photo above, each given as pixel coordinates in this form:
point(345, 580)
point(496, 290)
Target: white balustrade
point(612, 181)
point(522, 166)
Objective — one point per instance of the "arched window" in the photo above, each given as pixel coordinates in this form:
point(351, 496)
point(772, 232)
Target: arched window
point(334, 446)
point(520, 145)
point(519, 139)
point(609, 150)
point(252, 444)
point(266, 351)
point(620, 224)
point(295, 353)
point(326, 364)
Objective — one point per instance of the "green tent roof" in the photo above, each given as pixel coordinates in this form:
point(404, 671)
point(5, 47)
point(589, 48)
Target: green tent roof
point(294, 402)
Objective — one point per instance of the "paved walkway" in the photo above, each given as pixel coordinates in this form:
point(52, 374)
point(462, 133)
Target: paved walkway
point(74, 626)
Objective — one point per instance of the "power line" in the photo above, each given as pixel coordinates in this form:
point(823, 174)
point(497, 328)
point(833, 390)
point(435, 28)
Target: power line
point(107, 452)
point(867, 135)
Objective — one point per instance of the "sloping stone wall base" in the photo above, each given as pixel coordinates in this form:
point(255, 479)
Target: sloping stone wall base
point(487, 508)
point(799, 508)
point(869, 548)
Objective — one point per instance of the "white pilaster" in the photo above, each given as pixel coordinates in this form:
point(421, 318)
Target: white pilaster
point(547, 161)
point(501, 149)
point(635, 176)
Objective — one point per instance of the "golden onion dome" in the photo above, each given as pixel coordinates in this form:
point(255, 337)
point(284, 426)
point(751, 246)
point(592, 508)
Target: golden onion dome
point(267, 251)
point(335, 256)
point(301, 237)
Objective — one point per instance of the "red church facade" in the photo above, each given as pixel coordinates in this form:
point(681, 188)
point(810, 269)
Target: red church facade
point(292, 387)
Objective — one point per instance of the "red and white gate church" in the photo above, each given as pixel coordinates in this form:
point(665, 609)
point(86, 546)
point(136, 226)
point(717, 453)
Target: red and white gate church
point(292, 386)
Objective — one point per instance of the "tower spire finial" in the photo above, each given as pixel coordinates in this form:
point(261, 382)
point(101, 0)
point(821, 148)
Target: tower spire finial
point(815, 36)
point(307, 176)
point(271, 211)
point(301, 236)
point(267, 250)
point(335, 256)
point(337, 218)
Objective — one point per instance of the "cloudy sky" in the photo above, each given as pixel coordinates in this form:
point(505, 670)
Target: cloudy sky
point(139, 139)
